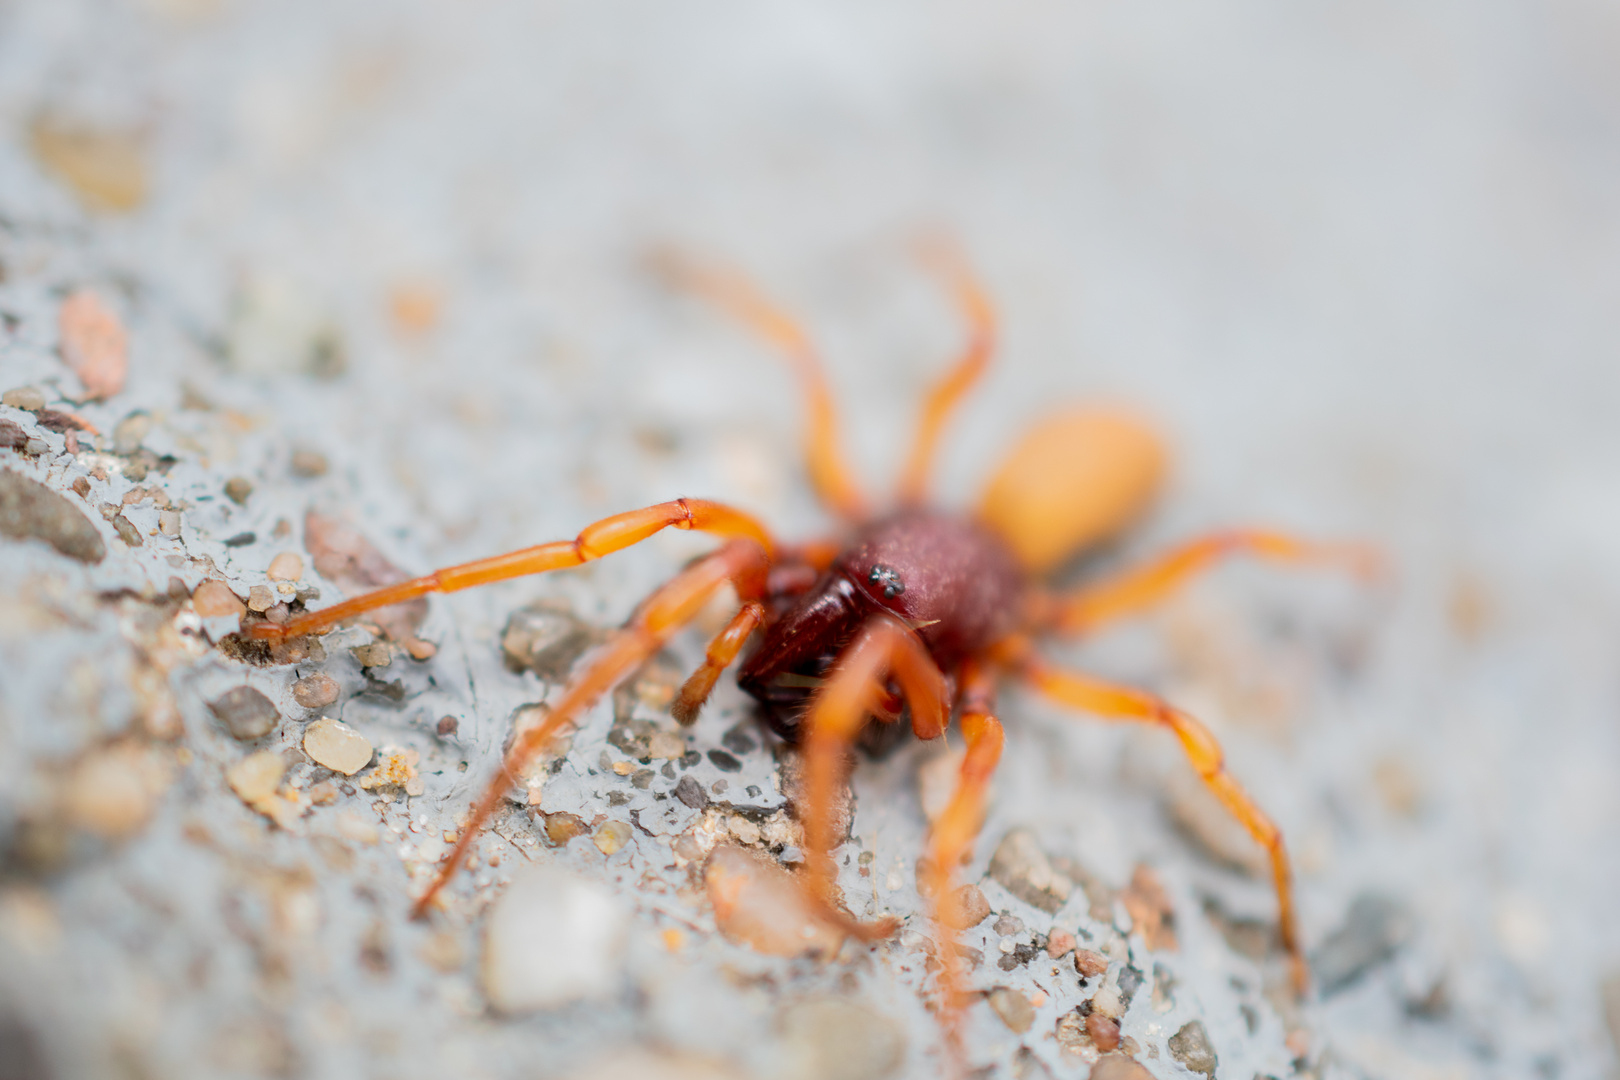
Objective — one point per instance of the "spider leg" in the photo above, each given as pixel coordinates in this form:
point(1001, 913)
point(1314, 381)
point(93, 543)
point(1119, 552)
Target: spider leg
point(1135, 590)
point(722, 651)
point(596, 540)
point(956, 829)
point(677, 602)
point(829, 474)
point(884, 647)
point(1115, 702)
point(944, 395)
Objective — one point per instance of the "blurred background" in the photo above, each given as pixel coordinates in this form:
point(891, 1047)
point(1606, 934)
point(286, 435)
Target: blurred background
point(1360, 261)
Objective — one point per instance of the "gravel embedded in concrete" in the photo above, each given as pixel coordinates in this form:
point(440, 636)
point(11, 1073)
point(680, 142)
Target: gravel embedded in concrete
point(31, 511)
point(337, 746)
point(246, 713)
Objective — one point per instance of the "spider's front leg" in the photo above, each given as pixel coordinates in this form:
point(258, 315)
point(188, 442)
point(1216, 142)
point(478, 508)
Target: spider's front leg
point(852, 692)
point(594, 541)
point(743, 563)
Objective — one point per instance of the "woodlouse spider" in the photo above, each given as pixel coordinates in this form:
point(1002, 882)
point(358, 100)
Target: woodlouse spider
point(917, 605)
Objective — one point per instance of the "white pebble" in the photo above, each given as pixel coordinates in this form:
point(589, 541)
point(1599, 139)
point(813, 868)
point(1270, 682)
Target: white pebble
point(552, 938)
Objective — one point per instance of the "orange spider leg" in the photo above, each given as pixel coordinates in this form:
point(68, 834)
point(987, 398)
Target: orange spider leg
point(601, 538)
point(1204, 752)
point(829, 474)
point(1137, 589)
point(945, 394)
point(741, 562)
point(722, 651)
point(956, 829)
point(884, 647)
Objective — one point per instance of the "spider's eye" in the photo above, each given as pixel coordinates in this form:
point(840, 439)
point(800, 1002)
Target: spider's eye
point(889, 578)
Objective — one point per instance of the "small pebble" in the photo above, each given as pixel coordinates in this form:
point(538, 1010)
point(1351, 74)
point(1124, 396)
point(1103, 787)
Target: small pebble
point(552, 938)
point(1118, 1066)
point(744, 830)
point(256, 777)
point(112, 792)
point(724, 761)
point(1006, 944)
point(666, 744)
point(337, 746)
point(839, 1039)
point(395, 768)
point(1108, 1002)
point(131, 431)
point(1191, 1047)
point(260, 598)
point(1013, 1008)
point(1007, 924)
point(316, 691)
point(1090, 963)
point(27, 398)
point(611, 836)
point(93, 343)
point(759, 904)
point(1059, 943)
point(965, 907)
point(375, 655)
point(690, 792)
point(237, 489)
point(308, 464)
point(215, 598)
point(246, 713)
point(1023, 869)
point(447, 727)
point(169, 522)
point(1374, 930)
point(127, 532)
point(285, 567)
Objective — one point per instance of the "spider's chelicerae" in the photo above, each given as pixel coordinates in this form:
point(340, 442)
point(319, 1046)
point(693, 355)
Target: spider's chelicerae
point(910, 606)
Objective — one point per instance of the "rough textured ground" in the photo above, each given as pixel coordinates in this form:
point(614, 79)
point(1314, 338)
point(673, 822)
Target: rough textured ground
point(388, 263)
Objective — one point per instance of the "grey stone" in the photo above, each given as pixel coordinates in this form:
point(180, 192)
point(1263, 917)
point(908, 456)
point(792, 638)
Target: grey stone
point(246, 713)
point(31, 511)
point(1374, 930)
point(1191, 1047)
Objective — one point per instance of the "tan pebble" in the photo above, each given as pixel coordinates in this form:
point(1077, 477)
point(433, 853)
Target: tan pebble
point(93, 343)
point(966, 906)
point(256, 776)
point(104, 167)
point(260, 598)
point(316, 691)
point(308, 463)
point(1089, 963)
point(375, 655)
point(285, 567)
point(744, 830)
point(665, 744)
point(421, 650)
point(1059, 943)
point(416, 786)
point(1108, 1002)
point(169, 522)
point(759, 904)
point(1117, 1066)
point(112, 793)
point(611, 836)
point(337, 746)
point(131, 431)
point(237, 489)
point(1013, 1008)
point(215, 598)
point(395, 768)
point(839, 1039)
point(27, 398)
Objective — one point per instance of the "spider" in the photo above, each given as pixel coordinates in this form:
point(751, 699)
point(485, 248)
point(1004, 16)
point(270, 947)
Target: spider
point(910, 609)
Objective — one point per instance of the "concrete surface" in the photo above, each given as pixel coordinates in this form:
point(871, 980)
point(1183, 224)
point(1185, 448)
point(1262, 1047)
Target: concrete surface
point(1359, 259)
